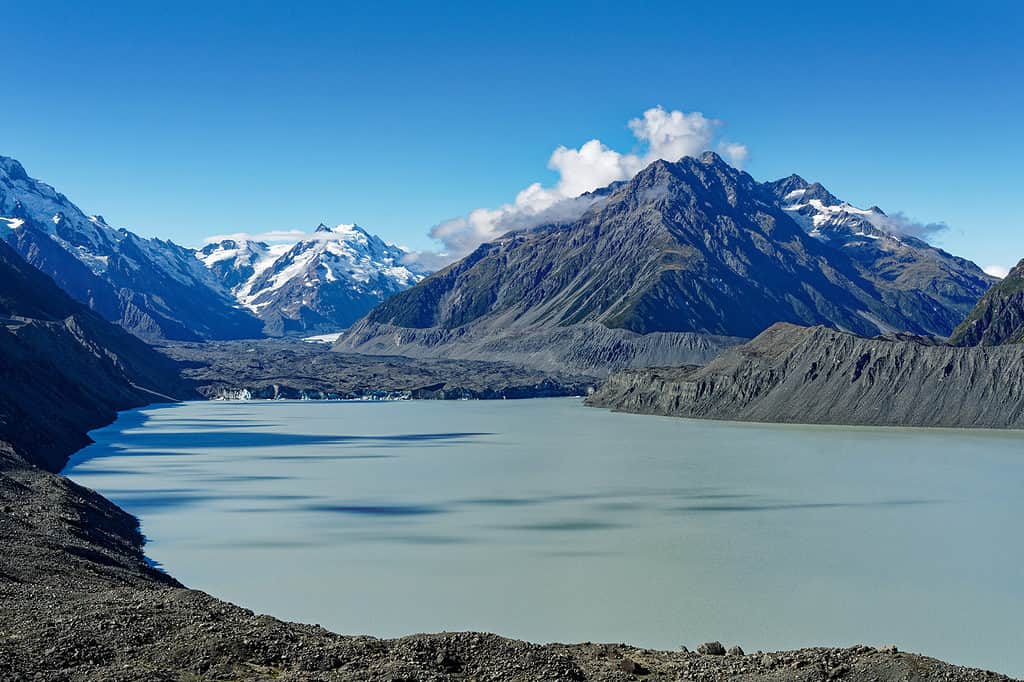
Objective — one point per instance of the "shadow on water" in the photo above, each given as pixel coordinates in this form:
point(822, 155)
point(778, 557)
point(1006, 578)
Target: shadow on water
point(159, 500)
point(322, 458)
point(153, 442)
point(205, 424)
point(384, 510)
point(566, 526)
point(623, 498)
point(168, 499)
point(788, 506)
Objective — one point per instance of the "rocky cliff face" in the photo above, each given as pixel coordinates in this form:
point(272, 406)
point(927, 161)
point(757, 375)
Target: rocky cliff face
point(820, 376)
point(693, 247)
point(64, 370)
point(999, 316)
point(153, 288)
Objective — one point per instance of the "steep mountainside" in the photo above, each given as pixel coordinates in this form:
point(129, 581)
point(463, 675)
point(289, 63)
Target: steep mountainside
point(694, 246)
point(999, 316)
point(153, 288)
point(822, 376)
point(321, 284)
point(64, 369)
point(925, 283)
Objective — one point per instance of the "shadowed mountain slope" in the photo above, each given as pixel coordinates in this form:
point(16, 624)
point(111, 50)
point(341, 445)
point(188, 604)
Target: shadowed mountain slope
point(64, 369)
point(999, 316)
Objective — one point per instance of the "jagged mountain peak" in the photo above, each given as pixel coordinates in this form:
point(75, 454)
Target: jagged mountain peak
point(218, 247)
point(795, 189)
point(341, 228)
point(13, 168)
point(688, 181)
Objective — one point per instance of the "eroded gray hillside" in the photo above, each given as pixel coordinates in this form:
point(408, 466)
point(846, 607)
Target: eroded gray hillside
point(820, 376)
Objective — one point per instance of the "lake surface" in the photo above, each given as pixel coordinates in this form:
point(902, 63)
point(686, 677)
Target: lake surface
point(550, 521)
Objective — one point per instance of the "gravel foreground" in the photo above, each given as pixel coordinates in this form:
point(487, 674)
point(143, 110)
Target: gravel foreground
point(80, 603)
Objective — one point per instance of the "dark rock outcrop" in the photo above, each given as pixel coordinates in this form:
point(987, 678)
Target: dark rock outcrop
point(817, 375)
point(999, 316)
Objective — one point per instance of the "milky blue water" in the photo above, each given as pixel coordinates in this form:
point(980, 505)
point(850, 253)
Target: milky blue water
point(550, 521)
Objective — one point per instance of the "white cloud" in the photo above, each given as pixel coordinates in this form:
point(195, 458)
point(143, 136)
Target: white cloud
point(899, 223)
point(735, 153)
point(668, 135)
point(1000, 271)
point(672, 135)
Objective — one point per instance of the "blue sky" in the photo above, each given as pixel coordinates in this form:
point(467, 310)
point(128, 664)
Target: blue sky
point(182, 121)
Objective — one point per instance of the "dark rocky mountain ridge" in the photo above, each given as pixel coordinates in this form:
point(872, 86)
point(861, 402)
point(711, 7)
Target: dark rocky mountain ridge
point(999, 316)
point(694, 247)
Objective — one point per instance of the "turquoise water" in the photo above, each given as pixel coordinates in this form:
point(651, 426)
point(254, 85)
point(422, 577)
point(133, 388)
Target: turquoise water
point(550, 521)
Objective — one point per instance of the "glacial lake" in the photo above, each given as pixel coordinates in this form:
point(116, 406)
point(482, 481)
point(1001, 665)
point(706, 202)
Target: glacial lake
point(549, 521)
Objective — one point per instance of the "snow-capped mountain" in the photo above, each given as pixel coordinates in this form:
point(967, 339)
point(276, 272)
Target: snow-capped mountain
point(320, 284)
point(930, 285)
point(823, 215)
point(152, 287)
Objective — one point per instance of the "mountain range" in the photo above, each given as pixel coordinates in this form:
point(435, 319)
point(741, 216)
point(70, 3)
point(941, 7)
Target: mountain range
point(696, 252)
point(686, 259)
point(160, 290)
